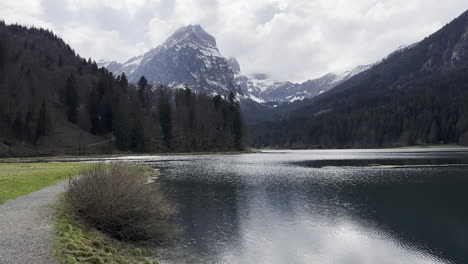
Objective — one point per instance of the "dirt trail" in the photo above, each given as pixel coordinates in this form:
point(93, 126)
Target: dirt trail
point(27, 225)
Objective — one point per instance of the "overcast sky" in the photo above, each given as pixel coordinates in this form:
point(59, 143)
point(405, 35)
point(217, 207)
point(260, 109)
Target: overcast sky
point(288, 39)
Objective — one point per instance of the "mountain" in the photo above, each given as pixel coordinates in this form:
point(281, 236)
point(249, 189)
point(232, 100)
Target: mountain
point(54, 102)
point(191, 57)
point(261, 88)
point(311, 88)
point(38, 76)
point(188, 57)
point(416, 95)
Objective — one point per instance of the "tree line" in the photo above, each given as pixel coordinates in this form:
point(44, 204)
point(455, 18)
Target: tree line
point(157, 118)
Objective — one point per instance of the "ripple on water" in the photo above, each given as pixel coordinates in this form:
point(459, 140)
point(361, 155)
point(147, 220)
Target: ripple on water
point(326, 206)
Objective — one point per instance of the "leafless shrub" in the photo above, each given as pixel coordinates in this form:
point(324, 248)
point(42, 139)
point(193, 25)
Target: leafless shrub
point(116, 200)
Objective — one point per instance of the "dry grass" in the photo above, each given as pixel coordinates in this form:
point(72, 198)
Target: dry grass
point(116, 200)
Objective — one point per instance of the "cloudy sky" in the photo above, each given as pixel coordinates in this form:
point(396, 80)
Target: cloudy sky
point(289, 39)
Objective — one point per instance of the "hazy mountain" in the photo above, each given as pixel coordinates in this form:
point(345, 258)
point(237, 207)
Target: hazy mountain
point(261, 88)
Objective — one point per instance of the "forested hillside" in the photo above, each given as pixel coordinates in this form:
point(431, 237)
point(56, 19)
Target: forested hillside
point(52, 101)
point(416, 96)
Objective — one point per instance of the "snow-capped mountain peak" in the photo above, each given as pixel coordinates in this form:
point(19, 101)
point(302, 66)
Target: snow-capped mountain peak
point(188, 57)
point(191, 34)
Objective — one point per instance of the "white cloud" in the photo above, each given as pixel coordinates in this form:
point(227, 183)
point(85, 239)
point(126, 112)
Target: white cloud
point(160, 30)
point(289, 39)
point(130, 7)
point(26, 12)
point(99, 43)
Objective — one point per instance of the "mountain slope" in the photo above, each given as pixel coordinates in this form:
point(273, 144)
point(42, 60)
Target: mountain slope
point(35, 70)
point(417, 95)
point(189, 57)
point(443, 51)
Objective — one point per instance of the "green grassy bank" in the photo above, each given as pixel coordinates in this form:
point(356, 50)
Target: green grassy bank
point(18, 179)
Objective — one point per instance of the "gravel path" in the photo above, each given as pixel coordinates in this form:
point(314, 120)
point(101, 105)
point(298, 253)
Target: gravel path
point(26, 227)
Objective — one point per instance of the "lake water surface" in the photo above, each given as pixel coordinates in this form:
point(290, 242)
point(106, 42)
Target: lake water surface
point(321, 206)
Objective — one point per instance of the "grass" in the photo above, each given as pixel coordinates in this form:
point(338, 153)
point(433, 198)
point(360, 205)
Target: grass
point(75, 243)
point(18, 179)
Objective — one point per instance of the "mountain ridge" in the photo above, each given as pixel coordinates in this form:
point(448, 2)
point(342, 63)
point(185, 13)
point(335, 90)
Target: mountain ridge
point(414, 96)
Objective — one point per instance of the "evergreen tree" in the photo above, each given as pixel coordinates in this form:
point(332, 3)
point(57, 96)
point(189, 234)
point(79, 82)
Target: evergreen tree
point(71, 99)
point(142, 82)
point(237, 124)
point(434, 133)
point(93, 111)
point(138, 134)
point(142, 86)
point(165, 117)
point(122, 128)
point(3, 51)
point(123, 82)
point(18, 127)
point(41, 122)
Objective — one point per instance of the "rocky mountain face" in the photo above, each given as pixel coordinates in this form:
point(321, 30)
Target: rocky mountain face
point(188, 57)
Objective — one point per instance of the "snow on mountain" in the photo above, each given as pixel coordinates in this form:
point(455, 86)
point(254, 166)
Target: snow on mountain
point(234, 64)
point(348, 74)
point(112, 66)
point(261, 88)
point(188, 57)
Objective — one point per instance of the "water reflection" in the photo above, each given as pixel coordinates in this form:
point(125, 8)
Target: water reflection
point(350, 206)
point(278, 208)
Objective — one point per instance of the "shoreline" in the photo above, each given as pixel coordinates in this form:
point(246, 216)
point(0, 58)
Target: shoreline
point(71, 158)
point(111, 156)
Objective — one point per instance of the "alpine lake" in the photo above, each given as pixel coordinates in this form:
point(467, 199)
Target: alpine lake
point(317, 206)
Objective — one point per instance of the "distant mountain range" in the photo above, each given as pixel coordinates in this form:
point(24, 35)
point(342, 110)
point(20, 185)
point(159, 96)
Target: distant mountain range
point(190, 57)
point(261, 88)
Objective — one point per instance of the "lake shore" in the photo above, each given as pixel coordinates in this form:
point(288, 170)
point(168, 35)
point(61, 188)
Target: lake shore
point(37, 228)
point(111, 156)
point(250, 151)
